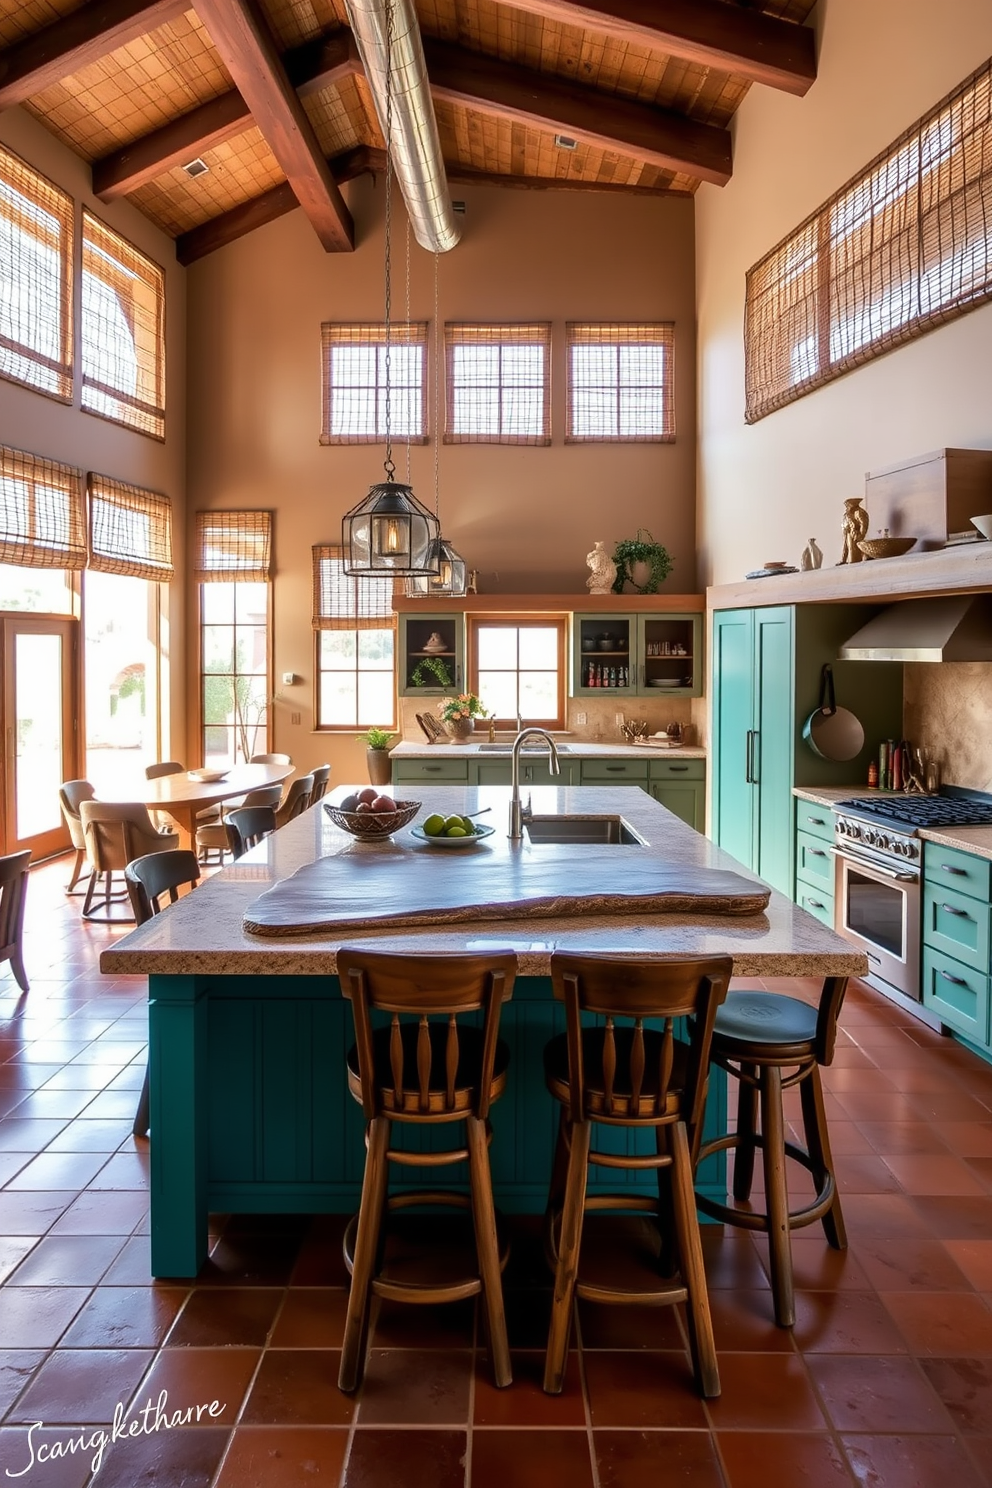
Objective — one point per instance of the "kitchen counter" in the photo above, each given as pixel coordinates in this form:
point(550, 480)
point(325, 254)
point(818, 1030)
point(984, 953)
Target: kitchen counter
point(577, 749)
point(977, 840)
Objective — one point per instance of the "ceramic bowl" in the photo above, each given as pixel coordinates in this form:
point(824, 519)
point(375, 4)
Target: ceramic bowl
point(207, 777)
point(984, 525)
point(885, 547)
point(455, 842)
point(369, 824)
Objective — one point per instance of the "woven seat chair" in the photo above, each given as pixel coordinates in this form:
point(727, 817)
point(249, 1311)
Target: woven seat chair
point(116, 834)
point(71, 794)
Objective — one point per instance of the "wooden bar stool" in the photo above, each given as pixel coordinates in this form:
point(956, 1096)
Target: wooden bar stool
point(632, 1077)
point(425, 1074)
point(759, 1035)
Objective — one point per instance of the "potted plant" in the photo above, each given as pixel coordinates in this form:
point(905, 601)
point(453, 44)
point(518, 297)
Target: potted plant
point(642, 563)
point(377, 743)
point(460, 713)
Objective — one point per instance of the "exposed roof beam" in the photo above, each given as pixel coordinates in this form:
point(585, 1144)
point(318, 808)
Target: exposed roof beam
point(657, 136)
point(313, 66)
point(465, 176)
point(764, 49)
point(239, 221)
point(75, 41)
point(239, 32)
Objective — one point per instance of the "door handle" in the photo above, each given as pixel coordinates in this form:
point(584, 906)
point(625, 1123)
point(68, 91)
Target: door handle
point(816, 852)
point(432, 769)
point(962, 914)
point(616, 769)
point(817, 821)
point(749, 758)
point(958, 981)
point(816, 903)
point(950, 868)
point(677, 769)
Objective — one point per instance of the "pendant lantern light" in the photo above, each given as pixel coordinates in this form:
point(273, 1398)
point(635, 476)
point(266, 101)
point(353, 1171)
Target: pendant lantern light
point(390, 534)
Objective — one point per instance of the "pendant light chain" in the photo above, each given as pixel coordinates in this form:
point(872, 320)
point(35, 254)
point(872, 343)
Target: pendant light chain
point(409, 432)
point(389, 467)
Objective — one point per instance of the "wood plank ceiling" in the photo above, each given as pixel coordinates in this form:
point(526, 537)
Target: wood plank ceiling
point(270, 95)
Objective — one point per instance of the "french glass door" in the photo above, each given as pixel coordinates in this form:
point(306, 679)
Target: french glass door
point(39, 730)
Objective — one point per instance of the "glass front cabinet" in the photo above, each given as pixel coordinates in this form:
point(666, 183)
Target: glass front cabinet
point(431, 654)
point(645, 655)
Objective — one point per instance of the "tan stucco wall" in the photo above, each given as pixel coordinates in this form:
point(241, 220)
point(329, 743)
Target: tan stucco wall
point(524, 517)
point(764, 490)
point(30, 421)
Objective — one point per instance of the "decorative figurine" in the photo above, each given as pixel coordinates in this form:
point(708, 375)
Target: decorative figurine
point(854, 528)
point(812, 557)
point(603, 570)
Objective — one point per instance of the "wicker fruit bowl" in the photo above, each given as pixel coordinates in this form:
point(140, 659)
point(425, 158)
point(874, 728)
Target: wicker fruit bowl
point(371, 824)
point(886, 547)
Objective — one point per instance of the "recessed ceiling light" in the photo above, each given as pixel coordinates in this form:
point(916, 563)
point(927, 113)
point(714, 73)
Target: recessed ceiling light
point(565, 142)
point(196, 168)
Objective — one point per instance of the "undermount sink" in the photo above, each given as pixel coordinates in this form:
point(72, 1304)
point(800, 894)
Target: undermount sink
point(601, 830)
point(524, 748)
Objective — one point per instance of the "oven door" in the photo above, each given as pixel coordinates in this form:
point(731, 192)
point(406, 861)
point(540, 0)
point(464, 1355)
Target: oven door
point(877, 908)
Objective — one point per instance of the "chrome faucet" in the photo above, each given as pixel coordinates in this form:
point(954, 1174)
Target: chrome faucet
point(519, 814)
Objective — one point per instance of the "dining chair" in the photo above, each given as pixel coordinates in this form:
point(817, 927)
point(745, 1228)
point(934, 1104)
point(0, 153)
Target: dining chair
point(71, 794)
point(247, 827)
point(628, 1075)
point(214, 837)
point(297, 800)
point(270, 759)
point(166, 767)
point(116, 833)
point(148, 881)
point(13, 888)
point(321, 779)
point(422, 1073)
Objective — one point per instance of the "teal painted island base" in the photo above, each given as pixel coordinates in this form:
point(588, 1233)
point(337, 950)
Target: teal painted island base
point(251, 1114)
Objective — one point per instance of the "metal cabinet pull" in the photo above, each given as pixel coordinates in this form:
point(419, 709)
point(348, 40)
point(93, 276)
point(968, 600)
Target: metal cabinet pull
point(749, 759)
point(950, 868)
point(432, 769)
point(817, 821)
point(616, 769)
point(962, 914)
point(816, 903)
point(958, 981)
point(816, 852)
point(677, 769)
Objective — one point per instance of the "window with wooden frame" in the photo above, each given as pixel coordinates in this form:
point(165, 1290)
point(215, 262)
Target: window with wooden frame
point(36, 257)
point(903, 247)
point(517, 667)
point(130, 530)
point(42, 521)
point(233, 567)
point(353, 381)
point(498, 384)
point(620, 384)
point(123, 330)
point(355, 635)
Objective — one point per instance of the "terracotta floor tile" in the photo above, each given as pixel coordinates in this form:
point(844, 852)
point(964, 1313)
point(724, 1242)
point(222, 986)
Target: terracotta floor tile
point(924, 1174)
point(845, 1323)
point(865, 1174)
point(967, 1138)
point(648, 1459)
point(415, 1459)
point(524, 1403)
point(745, 1322)
point(954, 1324)
point(954, 1218)
point(965, 1387)
point(895, 1137)
point(31, 1213)
point(910, 1265)
point(70, 1471)
point(311, 1317)
point(731, 1259)
point(974, 1257)
point(782, 1460)
point(249, 1261)
point(201, 1377)
point(36, 1317)
point(605, 1326)
point(13, 1249)
point(133, 1266)
point(645, 1390)
point(125, 1317)
point(85, 1135)
point(217, 1317)
point(765, 1392)
point(169, 1459)
point(61, 1103)
point(406, 1387)
point(816, 1266)
point(102, 1214)
point(284, 1457)
point(81, 1385)
point(298, 1387)
point(882, 1105)
point(848, 1140)
point(67, 1260)
point(124, 1170)
point(528, 1459)
point(16, 1368)
point(402, 1325)
point(878, 1395)
point(882, 1214)
point(923, 1461)
point(27, 1135)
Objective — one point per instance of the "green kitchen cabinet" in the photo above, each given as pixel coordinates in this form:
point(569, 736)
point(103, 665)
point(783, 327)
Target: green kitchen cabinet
point(642, 655)
point(957, 921)
point(416, 632)
point(532, 772)
point(766, 672)
point(680, 785)
point(604, 648)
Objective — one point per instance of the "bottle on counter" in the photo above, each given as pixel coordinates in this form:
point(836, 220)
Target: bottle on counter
point(872, 774)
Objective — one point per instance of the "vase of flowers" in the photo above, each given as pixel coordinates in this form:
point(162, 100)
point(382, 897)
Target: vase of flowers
point(459, 714)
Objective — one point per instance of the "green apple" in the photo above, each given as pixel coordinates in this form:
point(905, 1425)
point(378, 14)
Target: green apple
point(453, 821)
point(457, 831)
point(434, 825)
point(469, 826)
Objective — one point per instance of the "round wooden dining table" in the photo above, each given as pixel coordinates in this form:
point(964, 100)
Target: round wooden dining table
point(183, 798)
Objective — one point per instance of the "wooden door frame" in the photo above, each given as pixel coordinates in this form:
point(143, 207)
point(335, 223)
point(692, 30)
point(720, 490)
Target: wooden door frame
point(13, 623)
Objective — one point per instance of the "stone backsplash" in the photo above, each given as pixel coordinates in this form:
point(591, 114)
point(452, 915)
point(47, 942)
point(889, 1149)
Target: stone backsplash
point(947, 711)
point(600, 723)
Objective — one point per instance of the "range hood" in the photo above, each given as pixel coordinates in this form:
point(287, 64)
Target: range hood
point(954, 627)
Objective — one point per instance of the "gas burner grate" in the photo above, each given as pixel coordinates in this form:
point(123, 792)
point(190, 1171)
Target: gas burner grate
point(922, 811)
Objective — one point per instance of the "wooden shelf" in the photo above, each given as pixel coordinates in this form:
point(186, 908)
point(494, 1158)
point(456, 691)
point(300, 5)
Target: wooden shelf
point(962, 569)
point(561, 604)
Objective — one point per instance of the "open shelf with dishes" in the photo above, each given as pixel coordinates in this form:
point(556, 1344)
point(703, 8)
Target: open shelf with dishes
point(431, 651)
point(637, 655)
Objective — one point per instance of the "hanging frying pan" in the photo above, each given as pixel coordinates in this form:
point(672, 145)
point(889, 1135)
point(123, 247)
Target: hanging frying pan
point(831, 732)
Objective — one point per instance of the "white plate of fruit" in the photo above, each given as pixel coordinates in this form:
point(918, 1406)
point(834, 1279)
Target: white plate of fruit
point(450, 831)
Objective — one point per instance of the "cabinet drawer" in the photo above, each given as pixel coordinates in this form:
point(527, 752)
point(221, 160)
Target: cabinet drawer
point(947, 867)
point(957, 925)
point(615, 771)
point(815, 821)
point(677, 769)
point(430, 769)
point(814, 860)
point(958, 994)
point(816, 902)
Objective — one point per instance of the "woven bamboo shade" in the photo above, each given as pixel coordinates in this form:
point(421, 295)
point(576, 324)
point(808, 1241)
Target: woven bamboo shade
point(233, 545)
point(353, 383)
point(344, 603)
point(36, 220)
point(130, 530)
point(621, 383)
point(123, 323)
point(903, 247)
point(498, 384)
point(41, 512)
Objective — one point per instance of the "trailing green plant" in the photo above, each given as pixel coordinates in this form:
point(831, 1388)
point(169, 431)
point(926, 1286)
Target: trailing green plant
point(436, 667)
point(377, 738)
point(641, 549)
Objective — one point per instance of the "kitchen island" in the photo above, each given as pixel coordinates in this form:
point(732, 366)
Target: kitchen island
point(250, 1111)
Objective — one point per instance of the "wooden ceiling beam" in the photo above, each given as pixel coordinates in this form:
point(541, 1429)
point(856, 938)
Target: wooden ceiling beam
point(315, 65)
point(761, 48)
point(464, 176)
point(657, 136)
point(240, 33)
point(77, 40)
point(243, 219)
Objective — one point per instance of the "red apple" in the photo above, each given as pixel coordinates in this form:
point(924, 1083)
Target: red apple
point(368, 793)
point(383, 803)
point(363, 808)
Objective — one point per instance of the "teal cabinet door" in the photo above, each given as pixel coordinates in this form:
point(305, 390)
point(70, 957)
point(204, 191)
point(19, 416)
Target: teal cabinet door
point(733, 726)
point(772, 753)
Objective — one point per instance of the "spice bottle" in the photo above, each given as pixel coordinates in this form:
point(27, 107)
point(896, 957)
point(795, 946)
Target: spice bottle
point(872, 773)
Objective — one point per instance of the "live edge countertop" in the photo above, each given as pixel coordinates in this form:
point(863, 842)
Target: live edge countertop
point(977, 840)
point(203, 934)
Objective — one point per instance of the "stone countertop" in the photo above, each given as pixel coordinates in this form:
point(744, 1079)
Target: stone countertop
point(204, 934)
point(977, 840)
point(575, 749)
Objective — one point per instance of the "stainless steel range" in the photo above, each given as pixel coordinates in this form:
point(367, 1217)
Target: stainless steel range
point(878, 869)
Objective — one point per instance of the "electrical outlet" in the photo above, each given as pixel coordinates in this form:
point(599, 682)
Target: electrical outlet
point(619, 719)
point(296, 718)
point(288, 678)
point(580, 719)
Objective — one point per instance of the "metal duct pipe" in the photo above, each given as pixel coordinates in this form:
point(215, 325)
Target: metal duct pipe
point(415, 145)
